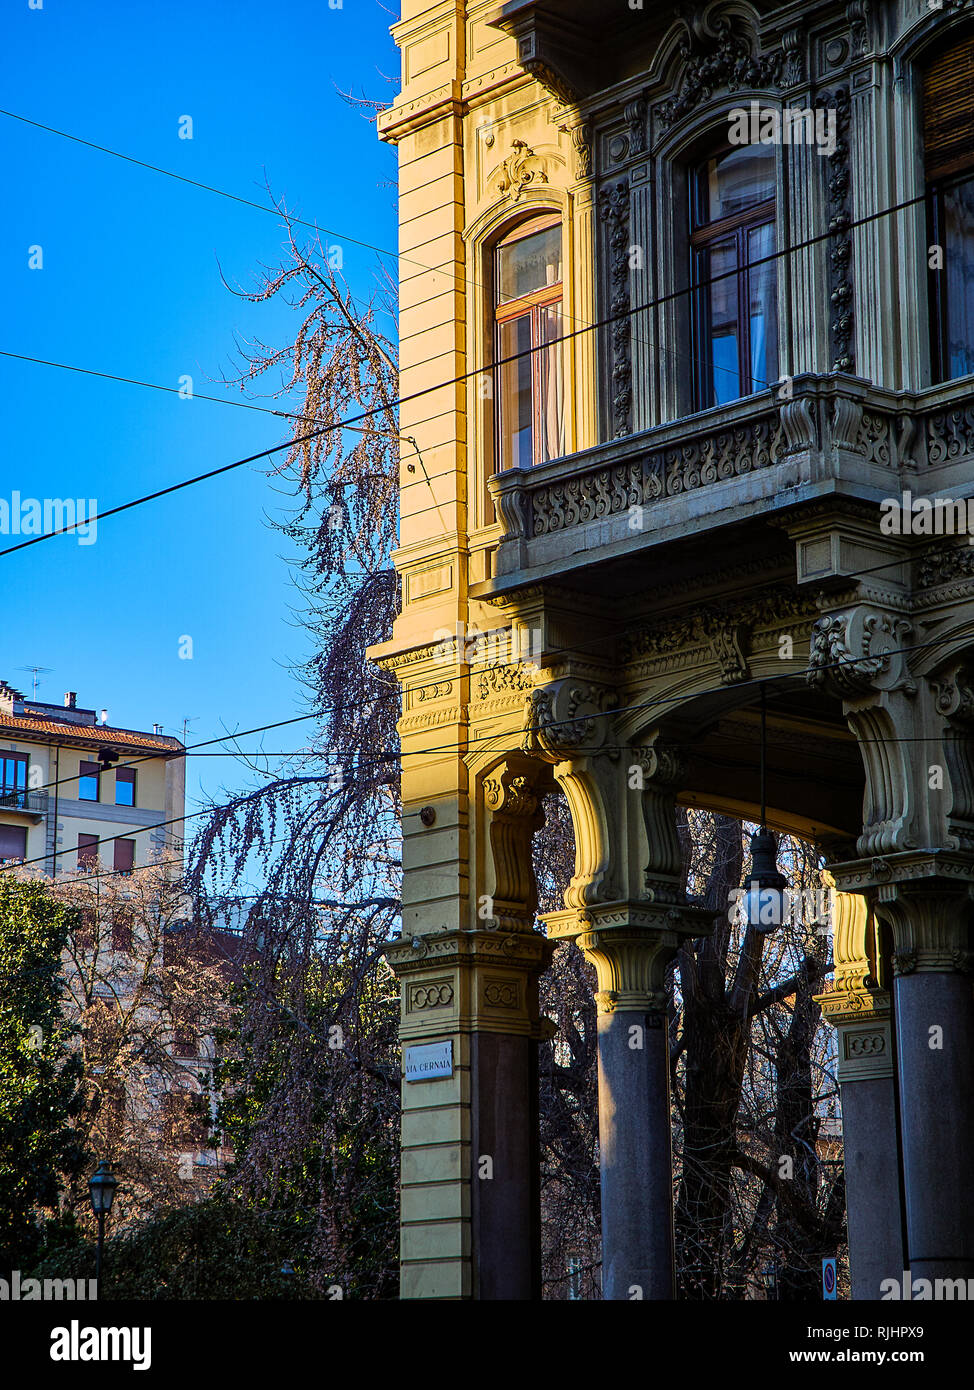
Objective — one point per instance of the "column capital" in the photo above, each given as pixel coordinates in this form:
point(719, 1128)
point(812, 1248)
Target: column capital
point(630, 945)
point(927, 898)
point(469, 981)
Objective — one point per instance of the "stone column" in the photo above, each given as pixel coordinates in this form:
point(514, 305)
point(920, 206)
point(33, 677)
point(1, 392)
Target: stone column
point(916, 857)
point(935, 1049)
point(625, 906)
point(634, 1105)
point(861, 1014)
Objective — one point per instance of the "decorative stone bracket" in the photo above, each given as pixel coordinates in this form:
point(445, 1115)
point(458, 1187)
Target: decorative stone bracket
point(623, 804)
point(916, 736)
point(512, 800)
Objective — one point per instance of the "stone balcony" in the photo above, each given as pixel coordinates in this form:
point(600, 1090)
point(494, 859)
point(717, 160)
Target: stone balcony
point(755, 461)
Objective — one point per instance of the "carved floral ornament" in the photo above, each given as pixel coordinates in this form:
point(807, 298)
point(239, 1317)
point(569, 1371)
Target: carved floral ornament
point(567, 715)
point(521, 169)
point(860, 649)
point(719, 52)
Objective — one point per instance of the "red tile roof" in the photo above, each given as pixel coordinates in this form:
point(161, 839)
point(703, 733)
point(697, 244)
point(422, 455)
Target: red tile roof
point(86, 735)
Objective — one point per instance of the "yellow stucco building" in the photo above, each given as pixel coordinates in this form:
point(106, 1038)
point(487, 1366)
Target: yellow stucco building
point(633, 501)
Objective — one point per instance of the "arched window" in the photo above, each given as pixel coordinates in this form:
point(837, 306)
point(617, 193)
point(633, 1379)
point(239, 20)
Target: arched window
point(948, 146)
point(529, 383)
point(734, 311)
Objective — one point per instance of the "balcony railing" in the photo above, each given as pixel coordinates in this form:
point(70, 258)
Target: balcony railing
point(758, 454)
point(35, 803)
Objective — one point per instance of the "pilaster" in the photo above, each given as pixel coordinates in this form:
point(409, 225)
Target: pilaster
point(469, 1147)
point(861, 1013)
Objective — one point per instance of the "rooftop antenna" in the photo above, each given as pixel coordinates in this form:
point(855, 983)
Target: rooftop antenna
point(36, 671)
point(187, 720)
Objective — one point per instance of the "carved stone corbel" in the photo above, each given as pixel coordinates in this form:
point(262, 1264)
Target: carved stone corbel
point(954, 702)
point(725, 639)
point(860, 649)
point(661, 770)
point(635, 113)
point(512, 799)
point(581, 136)
point(568, 724)
point(859, 655)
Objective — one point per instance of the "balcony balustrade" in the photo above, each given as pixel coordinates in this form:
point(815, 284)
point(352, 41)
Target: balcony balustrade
point(34, 804)
point(759, 456)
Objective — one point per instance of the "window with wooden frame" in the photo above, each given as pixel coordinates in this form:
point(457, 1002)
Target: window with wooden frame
point(124, 856)
point(125, 786)
point(87, 852)
point(13, 779)
point(734, 308)
point(86, 929)
point(529, 373)
point(89, 781)
point(123, 924)
point(13, 843)
point(948, 147)
point(185, 1117)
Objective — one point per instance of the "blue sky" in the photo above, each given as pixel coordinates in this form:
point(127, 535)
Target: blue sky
point(130, 286)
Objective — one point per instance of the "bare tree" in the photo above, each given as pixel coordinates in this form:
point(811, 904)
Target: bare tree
point(146, 1007)
point(320, 836)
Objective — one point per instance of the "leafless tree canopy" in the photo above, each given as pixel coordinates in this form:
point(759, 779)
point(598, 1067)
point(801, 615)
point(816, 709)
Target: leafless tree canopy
point(756, 1187)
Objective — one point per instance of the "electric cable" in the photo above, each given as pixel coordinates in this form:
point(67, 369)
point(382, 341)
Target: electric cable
point(396, 755)
point(457, 380)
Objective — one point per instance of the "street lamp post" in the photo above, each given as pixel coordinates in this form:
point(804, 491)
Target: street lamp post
point(102, 1187)
point(765, 898)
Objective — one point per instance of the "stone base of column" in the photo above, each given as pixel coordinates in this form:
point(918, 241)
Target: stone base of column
point(470, 1222)
point(505, 1191)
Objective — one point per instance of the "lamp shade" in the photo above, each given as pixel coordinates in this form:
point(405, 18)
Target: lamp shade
point(102, 1187)
point(764, 902)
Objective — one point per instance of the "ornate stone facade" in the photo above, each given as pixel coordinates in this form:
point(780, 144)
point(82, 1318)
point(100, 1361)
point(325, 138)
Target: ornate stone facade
point(669, 566)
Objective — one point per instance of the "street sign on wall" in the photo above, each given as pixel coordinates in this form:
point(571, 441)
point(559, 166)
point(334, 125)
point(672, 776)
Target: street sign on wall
point(428, 1061)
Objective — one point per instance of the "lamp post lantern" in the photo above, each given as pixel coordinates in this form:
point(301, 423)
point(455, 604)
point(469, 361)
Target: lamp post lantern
point(764, 888)
point(102, 1187)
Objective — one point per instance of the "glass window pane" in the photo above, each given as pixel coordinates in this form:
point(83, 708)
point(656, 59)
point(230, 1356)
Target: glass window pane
point(88, 781)
point(552, 386)
point(740, 179)
point(529, 264)
point(958, 206)
point(125, 786)
point(720, 346)
point(14, 773)
point(513, 389)
point(763, 307)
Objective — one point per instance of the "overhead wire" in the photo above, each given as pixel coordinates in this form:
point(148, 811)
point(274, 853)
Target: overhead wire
point(399, 691)
point(481, 745)
point(297, 440)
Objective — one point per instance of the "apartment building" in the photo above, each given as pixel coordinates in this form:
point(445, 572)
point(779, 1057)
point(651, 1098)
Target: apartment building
point(74, 790)
point(685, 307)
